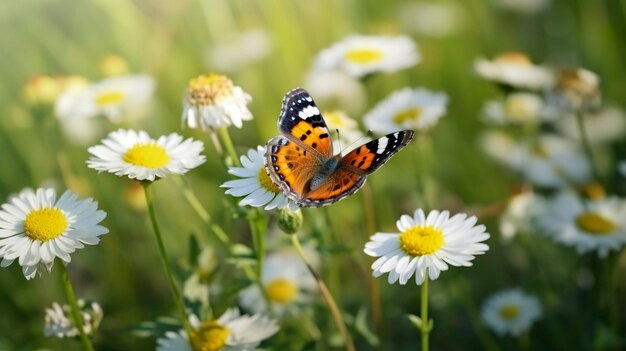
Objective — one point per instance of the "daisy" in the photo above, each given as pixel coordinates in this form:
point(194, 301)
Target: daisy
point(36, 228)
point(551, 161)
point(606, 125)
point(516, 70)
point(113, 98)
point(348, 128)
point(213, 101)
point(136, 155)
point(360, 55)
point(516, 108)
point(520, 215)
point(501, 147)
point(230, 332)
point(417, 109)
point(432, 19)
point(426, 245)
point(255, 184)
point(59, 322)
point(336, 89)
point(576, 88)
point(586, 225)
point(288, 284)
point(511, 312)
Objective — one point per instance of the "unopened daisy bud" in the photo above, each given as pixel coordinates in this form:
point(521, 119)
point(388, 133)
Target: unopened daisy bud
point(113, 65)
point(290, 221)
point(60, 325)
point(213, 101)
point(578, 87)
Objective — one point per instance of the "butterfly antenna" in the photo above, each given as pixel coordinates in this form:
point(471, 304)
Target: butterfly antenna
point(338, 139)
point(369, 134)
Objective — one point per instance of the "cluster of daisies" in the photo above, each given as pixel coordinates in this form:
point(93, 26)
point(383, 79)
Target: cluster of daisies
point(550, 127)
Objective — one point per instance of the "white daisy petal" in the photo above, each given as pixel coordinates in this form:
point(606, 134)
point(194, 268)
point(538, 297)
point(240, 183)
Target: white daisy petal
point(45, 227)
point(427, 244)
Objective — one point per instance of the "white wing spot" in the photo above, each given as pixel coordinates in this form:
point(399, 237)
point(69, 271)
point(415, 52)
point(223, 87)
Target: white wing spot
point(309, 99)
point(382, 145)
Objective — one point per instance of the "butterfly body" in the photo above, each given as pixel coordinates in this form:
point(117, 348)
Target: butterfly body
point(303, 165)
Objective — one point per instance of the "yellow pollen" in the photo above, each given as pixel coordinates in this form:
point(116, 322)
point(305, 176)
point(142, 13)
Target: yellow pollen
point(595, 223)
point(364, 56)
point(514, 58)
point(281, 291)
point(518, 109)
point(421, 240)
point(410, 114)
point(210, 336)
point(149, 155)
point(266, 181)
point(108, 98)
point(45, 224)
point(509, 312)
point(593, 191)
point(206, 90)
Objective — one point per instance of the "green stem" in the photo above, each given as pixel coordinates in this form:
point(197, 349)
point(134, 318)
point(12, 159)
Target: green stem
point(332, 305)
point(191, 197)
point(69, 292)
point(587, 145)
point(178, 299)
point(425, 326)
point(257, 227)
point(370, 224)
point(228, 145)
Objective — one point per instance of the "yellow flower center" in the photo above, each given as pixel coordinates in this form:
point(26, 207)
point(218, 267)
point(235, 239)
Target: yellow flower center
point(421, 240)
point(149, 155)
point(113, 65)
point(108, 98)
point(509, 312)
point(207, 89)
point(595, 223)
point(281, 291)
point(45, 224)
point(518, 108)
point(514, 58)
point(210, 336)
point(364, 56)
point(410, 114)
point(266, 181)
point(593, 191)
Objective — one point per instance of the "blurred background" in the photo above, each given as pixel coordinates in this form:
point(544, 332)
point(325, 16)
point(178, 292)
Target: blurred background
point(267, 48)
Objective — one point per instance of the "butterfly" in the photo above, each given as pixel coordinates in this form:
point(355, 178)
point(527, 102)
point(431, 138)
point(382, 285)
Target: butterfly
point(303, 165)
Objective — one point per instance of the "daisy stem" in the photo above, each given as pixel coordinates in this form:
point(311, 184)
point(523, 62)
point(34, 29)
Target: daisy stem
point(71, 297)
point(191, 197)
point(257, 227)
point(584, 138)
point(178, 299)
point(228, 145)
point(370, 223)
point(425, 325)
point(332, 305)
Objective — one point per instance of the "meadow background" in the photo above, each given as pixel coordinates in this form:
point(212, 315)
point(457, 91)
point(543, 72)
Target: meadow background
point(170, 41)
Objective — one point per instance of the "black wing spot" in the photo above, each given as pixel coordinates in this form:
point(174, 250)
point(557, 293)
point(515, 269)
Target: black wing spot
point(323, 136)
point(345, 181)
point(304, 153)
point(352, 163)
point(336, 187)
point(290, 165)
point(358, 151)
point(314, 145)
point(308, 132)
point(276, 168)
point(303, 137)
point(364, 157)
point(281, 177)
point(361, 164)
point(274, 159)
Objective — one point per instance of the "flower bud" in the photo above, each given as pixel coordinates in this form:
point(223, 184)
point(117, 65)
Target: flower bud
point(290, 221)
